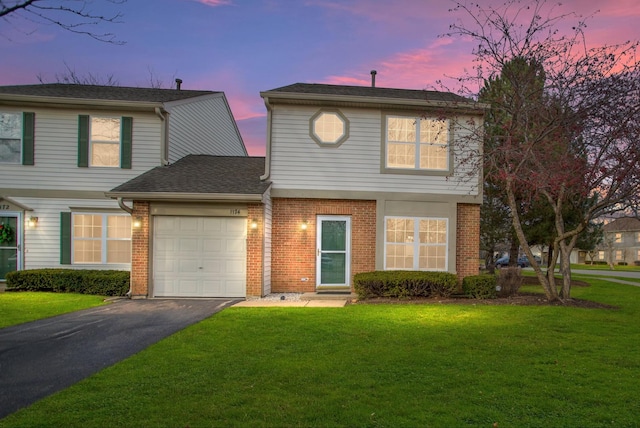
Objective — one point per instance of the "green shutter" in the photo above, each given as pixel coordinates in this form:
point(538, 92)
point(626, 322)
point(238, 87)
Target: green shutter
point(83, 141)
point(28, 134)
point(126, 138)
point(65, 238)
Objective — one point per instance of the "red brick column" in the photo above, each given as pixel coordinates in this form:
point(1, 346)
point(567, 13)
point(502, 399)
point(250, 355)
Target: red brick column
point(293, 250)
point(255, 250)
point(468, 240)
point(140, 242)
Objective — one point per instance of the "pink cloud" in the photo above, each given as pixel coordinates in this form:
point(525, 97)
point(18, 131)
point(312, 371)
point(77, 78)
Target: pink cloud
point(214, 3)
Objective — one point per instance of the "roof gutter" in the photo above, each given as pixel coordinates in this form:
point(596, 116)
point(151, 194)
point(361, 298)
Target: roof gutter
point(192, 197)
point(34, 100)
point(267, 160)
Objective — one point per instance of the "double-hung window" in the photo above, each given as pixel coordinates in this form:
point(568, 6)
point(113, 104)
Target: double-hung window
point(101, 238)
point(105, 141)
point(16, 138)
point(415, 143)
point(416, 243)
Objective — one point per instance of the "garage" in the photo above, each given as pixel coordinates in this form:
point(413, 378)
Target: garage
point(199, 256)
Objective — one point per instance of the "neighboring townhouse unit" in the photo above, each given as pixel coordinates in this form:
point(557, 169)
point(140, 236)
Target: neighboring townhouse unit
point(63, 146)
point(355, 179)
point(368, 178)
point(621, 242)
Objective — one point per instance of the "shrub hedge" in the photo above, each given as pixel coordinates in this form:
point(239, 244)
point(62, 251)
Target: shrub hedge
point(404, 284)
point(480, 286)
point(99, 282)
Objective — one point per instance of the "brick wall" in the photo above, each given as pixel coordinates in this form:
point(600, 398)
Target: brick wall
point(255, 250)
point(294, 250)
point(468, 240)
point(140, 251)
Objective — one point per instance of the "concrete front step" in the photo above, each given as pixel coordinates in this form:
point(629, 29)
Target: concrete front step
point(327, 295)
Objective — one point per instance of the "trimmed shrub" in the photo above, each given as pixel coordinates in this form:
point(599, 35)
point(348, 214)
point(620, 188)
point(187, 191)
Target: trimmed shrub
point(622, 263)
point(509, 281)
point(480, 286)
point(98, 282)
point(404, 284)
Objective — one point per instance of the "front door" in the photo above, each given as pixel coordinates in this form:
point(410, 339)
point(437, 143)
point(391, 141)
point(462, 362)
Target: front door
point(9, 243)
point(333, 252)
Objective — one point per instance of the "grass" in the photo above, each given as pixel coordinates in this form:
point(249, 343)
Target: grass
point(375, 366)
point(21, 307)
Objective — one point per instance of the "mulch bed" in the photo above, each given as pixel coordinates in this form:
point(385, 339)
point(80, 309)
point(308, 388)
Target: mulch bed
point(519, 299)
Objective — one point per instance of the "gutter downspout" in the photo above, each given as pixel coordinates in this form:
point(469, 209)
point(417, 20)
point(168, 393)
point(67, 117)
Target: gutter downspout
point(267, 162)
point(164, 142)
point(128, 209)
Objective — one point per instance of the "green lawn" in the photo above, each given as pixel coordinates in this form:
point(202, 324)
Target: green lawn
point(375, 366)
point(21, 307)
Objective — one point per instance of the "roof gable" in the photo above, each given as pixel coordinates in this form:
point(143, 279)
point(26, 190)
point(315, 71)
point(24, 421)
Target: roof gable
point(624, 224)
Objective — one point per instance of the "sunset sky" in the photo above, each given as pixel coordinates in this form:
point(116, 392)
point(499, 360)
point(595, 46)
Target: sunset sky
point(242, 47)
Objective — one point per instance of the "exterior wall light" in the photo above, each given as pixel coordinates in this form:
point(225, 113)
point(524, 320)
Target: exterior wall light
point(254, 224)
point(304, 225)
point(137, 223)
point(32, 222)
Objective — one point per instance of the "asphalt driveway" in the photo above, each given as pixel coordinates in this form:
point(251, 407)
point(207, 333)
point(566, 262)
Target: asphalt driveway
point(45, 356)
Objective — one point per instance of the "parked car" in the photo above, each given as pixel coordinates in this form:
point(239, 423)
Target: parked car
point(523, 261)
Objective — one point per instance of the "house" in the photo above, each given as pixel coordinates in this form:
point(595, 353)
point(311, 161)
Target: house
point(63, 146)
point(621, 242)
point(354, 179)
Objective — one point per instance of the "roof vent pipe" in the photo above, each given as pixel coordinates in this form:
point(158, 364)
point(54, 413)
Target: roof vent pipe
point(178, 83)
point(373, 78)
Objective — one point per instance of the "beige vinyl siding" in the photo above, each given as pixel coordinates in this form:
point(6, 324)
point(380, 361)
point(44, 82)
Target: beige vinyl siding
point(203, 126)
point(56, 154)
point(297, 162)
point(42, 243)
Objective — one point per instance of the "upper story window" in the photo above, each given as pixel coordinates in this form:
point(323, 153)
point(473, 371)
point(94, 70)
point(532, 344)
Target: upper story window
point(617, 238)
point(329, 128)
point(105, 141)
point(10, 137)
point(415, 143)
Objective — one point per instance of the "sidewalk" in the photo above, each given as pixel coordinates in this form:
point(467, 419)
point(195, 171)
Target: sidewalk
point(309, 300)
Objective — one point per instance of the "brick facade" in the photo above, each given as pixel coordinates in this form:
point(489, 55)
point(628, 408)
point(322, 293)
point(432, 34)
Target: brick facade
point(468, 240)
point(140, 251)
point(255, 251)
point(294, 249)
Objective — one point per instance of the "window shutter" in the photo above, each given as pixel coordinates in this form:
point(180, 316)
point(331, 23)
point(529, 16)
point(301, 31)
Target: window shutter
point(126, 138)
point(83, 141)
point(65, 238)
point(28, 134)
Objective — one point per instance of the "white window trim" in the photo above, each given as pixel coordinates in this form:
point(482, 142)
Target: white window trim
point(416, 169)
point(103, 239)
point(21, 119)
point(91, 141)
point(417, 244)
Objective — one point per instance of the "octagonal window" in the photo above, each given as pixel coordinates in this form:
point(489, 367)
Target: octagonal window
point(329, 128)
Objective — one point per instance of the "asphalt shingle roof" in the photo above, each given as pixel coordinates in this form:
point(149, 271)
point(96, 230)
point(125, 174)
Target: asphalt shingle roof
point(622, 225)
point(94, 92)
point(204, 174)
point(369, 91)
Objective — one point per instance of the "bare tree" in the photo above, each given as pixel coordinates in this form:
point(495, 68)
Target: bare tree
point(76, 16)
point(71, 76)
point(567, 132)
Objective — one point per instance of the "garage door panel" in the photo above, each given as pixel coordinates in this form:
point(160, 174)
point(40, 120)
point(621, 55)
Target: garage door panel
point(199, 256)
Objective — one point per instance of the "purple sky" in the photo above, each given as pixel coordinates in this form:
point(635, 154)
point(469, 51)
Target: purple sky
point(243, 47)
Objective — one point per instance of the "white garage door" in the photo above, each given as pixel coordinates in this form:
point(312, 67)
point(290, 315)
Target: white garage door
point(199, 257)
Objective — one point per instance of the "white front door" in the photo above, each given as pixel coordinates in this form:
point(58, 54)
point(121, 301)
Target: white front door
point(199, 256)
point(10, 238)
point(333, 251)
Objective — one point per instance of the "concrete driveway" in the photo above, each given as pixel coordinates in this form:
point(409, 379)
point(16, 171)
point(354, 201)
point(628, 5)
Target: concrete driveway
point(45, 356)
